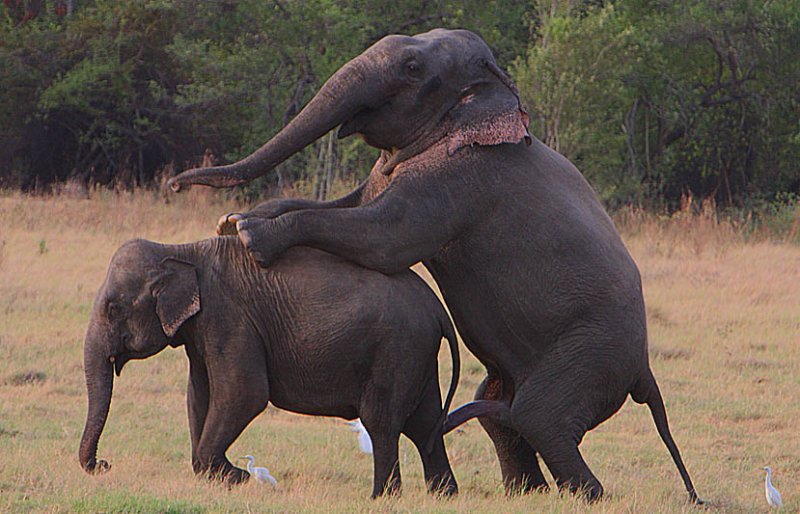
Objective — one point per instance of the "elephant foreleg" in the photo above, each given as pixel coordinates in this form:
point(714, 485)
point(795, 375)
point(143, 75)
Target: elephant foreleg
point(278, 206)
point(197, 402)
point(238, 396)
point(519, 465)
point(410, 221)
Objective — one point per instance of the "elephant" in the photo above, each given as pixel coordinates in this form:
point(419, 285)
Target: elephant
point(313, 334)
point(539, 282)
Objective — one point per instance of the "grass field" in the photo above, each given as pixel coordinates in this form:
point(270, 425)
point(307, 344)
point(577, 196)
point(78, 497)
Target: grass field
point(724, 319)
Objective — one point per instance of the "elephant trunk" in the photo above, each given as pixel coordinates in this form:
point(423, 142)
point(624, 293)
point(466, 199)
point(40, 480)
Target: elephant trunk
point(99, 384)
point(353, 88)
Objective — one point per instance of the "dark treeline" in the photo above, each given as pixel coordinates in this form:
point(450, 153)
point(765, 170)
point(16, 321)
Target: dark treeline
point(652, 99)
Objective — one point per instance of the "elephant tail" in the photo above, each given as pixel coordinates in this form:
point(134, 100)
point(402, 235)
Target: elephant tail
point(496, 410)
point(646, 391)
point(449, 333)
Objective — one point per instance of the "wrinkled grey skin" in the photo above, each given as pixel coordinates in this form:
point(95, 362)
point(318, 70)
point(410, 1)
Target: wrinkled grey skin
point(314, 334)
point(538, 281)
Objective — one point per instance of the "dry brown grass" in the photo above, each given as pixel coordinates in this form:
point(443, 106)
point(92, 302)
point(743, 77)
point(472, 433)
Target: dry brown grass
point(724, 315)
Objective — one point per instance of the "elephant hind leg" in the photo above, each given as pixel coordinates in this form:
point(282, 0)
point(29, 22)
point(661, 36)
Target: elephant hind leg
point(519, 465)
point(385, 458)
point(570, 470)
point(552, 423)
point(419, 427)
point(381, 418)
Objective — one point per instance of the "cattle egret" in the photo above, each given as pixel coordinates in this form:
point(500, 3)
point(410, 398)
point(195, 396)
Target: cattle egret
point(773, 496)
point(364, 441)
point(260, 474)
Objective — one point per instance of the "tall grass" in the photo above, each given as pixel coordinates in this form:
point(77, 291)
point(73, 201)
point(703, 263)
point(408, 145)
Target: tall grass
point(723, 302)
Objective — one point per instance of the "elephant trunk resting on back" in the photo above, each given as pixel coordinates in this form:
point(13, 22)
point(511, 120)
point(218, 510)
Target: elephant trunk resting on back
point(314, 334)
point(539, 283)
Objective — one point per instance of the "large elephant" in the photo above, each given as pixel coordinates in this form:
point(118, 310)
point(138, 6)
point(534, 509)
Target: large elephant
point(539, 283)
point(314, 334)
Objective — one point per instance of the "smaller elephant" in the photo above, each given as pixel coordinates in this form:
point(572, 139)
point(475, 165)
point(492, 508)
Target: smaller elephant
point(313, 334)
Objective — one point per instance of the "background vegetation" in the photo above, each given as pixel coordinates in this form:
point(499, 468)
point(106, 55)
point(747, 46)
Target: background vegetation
point(653, 100)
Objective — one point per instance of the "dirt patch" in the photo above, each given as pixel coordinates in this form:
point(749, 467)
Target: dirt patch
point(27, 378)
point(669, 354)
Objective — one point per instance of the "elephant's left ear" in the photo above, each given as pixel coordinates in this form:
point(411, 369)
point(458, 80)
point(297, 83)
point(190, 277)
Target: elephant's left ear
point(177, 294)
point(492, 126)
point(504, 127)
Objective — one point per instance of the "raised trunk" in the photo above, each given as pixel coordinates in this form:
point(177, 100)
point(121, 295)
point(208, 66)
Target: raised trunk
point(99, 384)
point(355, 87)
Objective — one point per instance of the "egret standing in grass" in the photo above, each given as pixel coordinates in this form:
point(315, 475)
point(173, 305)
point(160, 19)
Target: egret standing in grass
point(364, 441)
point(773, 496)
point(260, 474)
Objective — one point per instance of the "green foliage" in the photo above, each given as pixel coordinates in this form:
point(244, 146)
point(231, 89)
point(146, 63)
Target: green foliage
point(655, 101)
point(651, 100)
point(119, 90)
point(571, 81)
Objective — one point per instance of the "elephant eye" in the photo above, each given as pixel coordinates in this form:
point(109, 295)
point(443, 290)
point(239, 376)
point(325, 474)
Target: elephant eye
point(114, 311)
point(413, 68)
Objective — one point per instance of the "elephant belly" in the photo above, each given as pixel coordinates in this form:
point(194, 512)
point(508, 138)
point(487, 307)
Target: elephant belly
point(314, 398)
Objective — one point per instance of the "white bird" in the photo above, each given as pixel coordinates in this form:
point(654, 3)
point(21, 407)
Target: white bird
point(773, 496)
point(364, 441)
point(260, 474)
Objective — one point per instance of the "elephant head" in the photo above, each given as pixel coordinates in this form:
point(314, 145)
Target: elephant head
point(146, 296)
point(402, 95)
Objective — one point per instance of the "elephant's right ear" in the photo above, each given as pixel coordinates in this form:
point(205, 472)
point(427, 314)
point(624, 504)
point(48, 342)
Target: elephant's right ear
point(177, 293)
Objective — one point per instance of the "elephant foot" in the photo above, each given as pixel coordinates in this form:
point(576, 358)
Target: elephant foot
point(226, 226)
point(525, 484)
point(236, 476)
point(228, 475)
point(253, 233)
point(443, 486)
point(591, 492)
point(390, 490)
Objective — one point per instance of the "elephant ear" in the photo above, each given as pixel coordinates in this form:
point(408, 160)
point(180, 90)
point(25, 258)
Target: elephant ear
point(490, 116)
point(177, 294)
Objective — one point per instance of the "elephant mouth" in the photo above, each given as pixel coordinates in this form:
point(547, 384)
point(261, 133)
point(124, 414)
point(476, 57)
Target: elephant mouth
point(119, 362)
point(348, 128)
point(363, 118)
point(358, 122)
point(121, 359)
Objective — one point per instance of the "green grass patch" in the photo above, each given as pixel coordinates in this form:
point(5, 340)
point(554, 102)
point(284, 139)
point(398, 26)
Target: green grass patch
point(122, 502)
